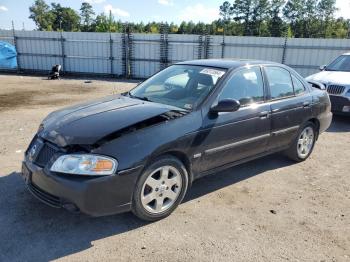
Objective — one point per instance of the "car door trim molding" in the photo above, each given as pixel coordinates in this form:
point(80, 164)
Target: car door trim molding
point(285, 130)
point(235, 144)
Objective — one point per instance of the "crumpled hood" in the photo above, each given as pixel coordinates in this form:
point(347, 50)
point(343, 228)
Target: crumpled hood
point(87, 123)
point(331, 77)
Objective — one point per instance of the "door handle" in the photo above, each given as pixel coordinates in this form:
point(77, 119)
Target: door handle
point(306, 104)
point(264, 114)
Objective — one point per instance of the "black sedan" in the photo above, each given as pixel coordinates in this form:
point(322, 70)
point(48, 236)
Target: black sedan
point(141, 150)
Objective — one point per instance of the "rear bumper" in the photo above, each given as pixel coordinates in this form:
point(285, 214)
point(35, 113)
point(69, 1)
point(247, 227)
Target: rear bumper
point(93, 196)
point(338, 104)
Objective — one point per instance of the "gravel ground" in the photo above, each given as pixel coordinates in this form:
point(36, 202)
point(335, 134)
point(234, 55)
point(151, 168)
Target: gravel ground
point(270, 209)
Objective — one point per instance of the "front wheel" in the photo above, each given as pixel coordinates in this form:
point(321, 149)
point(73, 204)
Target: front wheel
point(302, 146)
point(160, 189)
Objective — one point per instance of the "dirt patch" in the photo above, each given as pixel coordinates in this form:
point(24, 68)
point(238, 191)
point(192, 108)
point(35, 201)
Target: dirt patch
point(22, 91)
point(14, 98)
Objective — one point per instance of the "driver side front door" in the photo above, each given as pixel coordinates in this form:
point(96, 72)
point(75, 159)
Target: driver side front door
point(231, 136)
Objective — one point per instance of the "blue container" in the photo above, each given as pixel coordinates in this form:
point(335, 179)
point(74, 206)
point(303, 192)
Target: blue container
point(8, 56)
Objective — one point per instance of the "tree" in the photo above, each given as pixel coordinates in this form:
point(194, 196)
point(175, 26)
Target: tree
point(242, 10)
point(182, 28)
point(65, 18)
point(302, 15)
point(259, 14)
point(41, 15)
point(101, 23)
point(275, 23)
point(252, 13)
point(86, 14)
point(325, 12)
point(293, 11)
point(226, 11)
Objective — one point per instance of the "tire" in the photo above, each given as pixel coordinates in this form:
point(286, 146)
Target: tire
point(160, 189)
point(295, 151)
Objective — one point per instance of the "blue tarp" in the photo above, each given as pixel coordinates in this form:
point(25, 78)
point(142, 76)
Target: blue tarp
point(8, 56)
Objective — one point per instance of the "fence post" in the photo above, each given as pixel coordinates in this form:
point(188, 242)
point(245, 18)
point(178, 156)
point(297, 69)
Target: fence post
point(223, 45)
point(284, 49)
point(164, 46)
point(200, 46)
point(207, 45)
point(127, 51)
point(16, 46)
point(111, 52)
point(63, 54)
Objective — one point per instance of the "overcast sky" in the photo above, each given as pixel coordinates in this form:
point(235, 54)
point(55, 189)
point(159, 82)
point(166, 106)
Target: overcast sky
point(132, 10)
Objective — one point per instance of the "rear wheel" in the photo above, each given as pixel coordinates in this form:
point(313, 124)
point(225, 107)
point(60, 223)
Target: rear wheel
point(303, 144)
point(160, 189)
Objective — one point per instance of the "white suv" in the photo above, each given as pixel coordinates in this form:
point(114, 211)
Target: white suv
point(336, 78)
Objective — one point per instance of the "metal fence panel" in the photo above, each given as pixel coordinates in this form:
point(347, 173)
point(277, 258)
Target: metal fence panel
point(306, 55)
point(146, 55)
point(87, 52)
point(261, 48)
point(105, 53)
point(117, 63)
point(7, 36)
point(183, 47)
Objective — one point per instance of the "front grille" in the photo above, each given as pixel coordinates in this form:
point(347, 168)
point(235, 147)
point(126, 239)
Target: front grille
point(45, 154)
point(335, 89)
point(44, 196)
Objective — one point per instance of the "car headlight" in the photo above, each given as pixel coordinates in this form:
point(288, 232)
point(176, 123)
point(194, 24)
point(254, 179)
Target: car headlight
point(85, 164)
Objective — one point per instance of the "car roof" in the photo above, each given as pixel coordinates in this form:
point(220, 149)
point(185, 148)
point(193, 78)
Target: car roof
point(226, 63)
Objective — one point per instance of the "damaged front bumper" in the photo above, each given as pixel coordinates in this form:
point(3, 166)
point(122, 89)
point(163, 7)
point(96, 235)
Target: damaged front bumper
point(95, 196)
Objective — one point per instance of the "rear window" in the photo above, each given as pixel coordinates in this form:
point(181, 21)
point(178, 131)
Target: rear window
point(298, 85)
point(280, 82)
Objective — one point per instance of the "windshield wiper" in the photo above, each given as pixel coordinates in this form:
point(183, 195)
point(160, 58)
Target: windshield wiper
point(144, 98)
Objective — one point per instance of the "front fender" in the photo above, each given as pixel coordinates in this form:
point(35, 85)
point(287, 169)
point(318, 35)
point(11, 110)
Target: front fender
point(141, 146)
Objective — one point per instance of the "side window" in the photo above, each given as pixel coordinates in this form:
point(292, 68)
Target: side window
point(298, 85)
point(280, 82)
point(246, 86)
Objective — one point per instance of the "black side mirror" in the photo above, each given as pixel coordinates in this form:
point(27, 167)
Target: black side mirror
point(317, 85)
point(226, 105)
point(322, 67)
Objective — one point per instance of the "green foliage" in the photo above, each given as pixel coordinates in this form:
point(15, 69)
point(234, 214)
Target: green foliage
point(41, 15)
point(278, 18)
point(86, 14)
point(226, 11)
point(276, 26)
point(65, 18)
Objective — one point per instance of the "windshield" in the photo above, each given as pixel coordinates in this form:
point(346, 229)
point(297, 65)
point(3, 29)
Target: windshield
point(183, 86)
point(342, 63)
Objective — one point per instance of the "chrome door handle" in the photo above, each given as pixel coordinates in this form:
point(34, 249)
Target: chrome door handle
point(306, 104)
point(264, 114)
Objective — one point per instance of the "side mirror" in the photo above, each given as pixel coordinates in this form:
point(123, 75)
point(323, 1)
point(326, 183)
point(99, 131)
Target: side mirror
point(322, 67)
point(317, 85)
point(226, 105)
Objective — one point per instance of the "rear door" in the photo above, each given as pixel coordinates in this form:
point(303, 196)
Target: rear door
point(231, 136)
point(290, 105)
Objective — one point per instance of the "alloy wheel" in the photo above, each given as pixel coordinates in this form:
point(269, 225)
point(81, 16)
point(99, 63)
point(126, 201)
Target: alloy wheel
point(161, 189)
point(305, 142)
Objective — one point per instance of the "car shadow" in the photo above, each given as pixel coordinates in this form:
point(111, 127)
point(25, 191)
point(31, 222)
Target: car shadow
point(236, 174)
point(30, 229)
point(339, 124)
